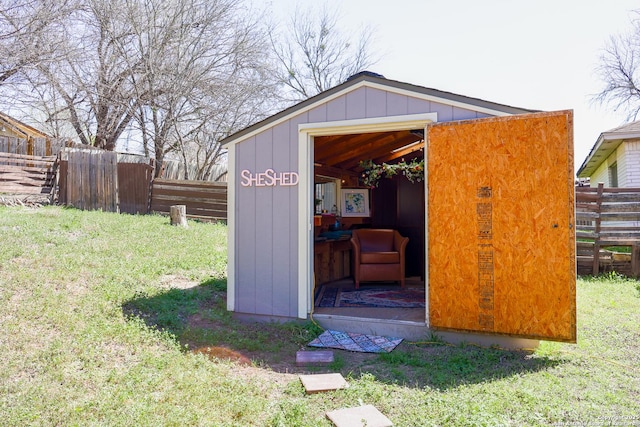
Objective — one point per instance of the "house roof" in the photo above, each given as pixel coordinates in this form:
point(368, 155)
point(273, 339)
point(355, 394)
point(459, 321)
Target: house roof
point(20, 128)
point(370, 79)
point(606, 144)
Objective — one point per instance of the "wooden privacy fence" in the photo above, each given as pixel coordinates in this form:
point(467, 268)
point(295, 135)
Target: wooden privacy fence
point(607, 218)
point(92, 179)
point(32, 146)
point(95, 179)
point(204, 200)
point(26, 175)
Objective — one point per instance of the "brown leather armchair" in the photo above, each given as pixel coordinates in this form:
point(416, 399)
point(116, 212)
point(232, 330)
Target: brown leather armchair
point(378, 255)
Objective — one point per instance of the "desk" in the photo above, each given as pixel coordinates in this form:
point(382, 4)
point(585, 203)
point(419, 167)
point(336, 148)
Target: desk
point(331, 260)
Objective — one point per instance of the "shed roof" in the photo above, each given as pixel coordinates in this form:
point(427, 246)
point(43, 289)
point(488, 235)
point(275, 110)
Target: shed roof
point(606, 144)
point(370, 79)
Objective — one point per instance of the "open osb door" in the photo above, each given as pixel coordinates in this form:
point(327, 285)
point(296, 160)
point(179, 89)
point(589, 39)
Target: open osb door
point(500, 223)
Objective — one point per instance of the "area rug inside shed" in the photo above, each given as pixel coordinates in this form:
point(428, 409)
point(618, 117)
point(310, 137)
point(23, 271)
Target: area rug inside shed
point(333, 296)
point(355, 342)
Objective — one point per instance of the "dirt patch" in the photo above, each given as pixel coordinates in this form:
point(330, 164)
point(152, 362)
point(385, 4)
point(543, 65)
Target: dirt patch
point(172, 281)
point(223, 353)
point(268, 347)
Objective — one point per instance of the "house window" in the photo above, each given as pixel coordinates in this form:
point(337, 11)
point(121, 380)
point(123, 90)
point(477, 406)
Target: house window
point(613, 175)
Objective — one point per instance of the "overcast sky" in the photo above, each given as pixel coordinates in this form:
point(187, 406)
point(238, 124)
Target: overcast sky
point(536, 54)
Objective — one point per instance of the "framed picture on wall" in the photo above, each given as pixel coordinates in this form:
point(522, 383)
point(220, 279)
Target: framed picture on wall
point(354, 202)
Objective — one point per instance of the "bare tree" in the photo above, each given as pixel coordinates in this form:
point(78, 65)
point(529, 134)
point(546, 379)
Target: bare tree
point(202, 62)
point(177, 75)
point(619, 69)
point(93, 78)
point(28, 34)
point(313, 55)
point(239, 105)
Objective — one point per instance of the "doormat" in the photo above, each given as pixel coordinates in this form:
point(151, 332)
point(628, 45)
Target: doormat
point(355, 342)
point(332, 296)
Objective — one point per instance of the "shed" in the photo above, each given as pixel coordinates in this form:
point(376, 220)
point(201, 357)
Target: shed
point(492, 246)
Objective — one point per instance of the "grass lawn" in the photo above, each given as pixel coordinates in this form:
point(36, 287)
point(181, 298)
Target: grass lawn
point(121, 320)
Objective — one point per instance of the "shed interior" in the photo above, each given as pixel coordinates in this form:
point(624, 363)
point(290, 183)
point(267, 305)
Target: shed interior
point(395, 203)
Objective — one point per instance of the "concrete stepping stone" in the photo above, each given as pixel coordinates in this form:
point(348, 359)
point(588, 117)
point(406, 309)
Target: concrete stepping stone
point(360, 416)
point(317, 383)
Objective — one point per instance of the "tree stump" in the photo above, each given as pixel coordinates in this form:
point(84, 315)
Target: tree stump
point(178, 214)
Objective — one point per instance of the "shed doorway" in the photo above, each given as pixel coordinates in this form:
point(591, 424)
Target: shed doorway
point(334, 156)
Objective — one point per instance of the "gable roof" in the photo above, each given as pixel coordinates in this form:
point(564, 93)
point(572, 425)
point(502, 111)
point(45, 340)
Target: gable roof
point(20, 128)
point(374, 80)
point(606, 144)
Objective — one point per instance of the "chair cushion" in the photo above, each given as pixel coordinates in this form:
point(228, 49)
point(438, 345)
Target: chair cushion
point(375, 240)
point(379, 257)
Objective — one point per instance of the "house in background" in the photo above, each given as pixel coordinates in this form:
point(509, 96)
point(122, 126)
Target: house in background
point(615, 158)
point(10, 127)
point(19, 138)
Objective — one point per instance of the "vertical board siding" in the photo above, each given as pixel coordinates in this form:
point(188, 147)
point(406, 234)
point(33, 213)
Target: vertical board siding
point(397, 105)
point(501, 237)
point(92, 180)
point(462, 114)
point(445, 112)
point(246, 216)
point(318, 114)
point(376, 103)
point(356, 103)
point(283, 213)
point(417, 106)
point(133, 187)
point(337, 109)
point(266, 225)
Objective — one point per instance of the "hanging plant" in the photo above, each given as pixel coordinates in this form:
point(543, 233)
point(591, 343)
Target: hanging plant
point(413, 171)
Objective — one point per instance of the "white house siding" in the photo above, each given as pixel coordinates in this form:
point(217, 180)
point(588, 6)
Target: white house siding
point(266, 224)
point(601, 174)
point(631, 164)
point(621, 159)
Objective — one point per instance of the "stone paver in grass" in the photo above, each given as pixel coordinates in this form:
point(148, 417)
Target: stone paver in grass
point(317, 383)
point(304, 358)
point(360, 416)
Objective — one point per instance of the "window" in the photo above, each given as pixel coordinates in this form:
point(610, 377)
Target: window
point(613, 175)
point(325, 197)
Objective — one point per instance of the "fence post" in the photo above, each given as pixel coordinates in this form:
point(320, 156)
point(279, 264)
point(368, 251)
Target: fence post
point(596, 242)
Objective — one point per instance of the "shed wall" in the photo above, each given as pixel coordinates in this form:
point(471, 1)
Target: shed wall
point(266, 226)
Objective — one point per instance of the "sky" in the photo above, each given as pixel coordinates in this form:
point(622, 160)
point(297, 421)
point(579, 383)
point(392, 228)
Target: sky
point(535, 54)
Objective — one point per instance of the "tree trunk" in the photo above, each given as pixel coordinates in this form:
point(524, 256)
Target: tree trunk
point(178, 215)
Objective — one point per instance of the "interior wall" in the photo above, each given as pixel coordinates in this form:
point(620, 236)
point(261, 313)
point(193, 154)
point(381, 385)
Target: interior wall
point(399, 204)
